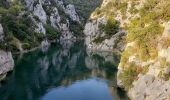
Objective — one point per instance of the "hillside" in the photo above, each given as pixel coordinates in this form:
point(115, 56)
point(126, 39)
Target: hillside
point(28, 24)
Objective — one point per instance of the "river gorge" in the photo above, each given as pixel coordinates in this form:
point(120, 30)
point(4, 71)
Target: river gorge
point(63, 72)
point(84, 49)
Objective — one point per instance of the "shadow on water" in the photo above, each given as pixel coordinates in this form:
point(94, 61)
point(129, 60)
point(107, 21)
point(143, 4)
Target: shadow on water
point(64, 72)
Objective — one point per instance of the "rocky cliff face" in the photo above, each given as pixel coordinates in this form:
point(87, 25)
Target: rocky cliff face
point(150, 79)
point(36, 20)
point(113, 43)
point(144, 66)
point(25, 24)
point(6, 63)
point(52, 12)
point(103, 30)
point(1, 33)
point(6, 60)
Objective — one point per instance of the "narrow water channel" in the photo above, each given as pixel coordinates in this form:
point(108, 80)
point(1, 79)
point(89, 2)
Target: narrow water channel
point(63, 72)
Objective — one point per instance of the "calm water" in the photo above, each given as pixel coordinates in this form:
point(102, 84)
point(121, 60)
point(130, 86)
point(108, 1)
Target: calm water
point(63, 72)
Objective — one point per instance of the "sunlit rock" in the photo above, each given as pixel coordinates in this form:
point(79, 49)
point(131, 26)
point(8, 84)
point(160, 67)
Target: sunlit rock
point(1, 33)
point(70, 10)
point(40, 28)
point(55, 18)
point(6, 62)
point(148, 87)
point(29, 4)
point(166, 32)
point(40, 13)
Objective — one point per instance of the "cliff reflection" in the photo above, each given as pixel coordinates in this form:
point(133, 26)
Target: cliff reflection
point(62, 65)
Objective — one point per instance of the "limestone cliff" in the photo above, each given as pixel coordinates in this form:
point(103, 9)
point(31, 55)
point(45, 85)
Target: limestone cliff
point(6, 60)
point(146, 79)
point(144, 66)
point(35, 20)
point(27, 24)
point(143, 29)
point(103, 31)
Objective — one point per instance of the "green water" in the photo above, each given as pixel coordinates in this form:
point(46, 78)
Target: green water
point(64, 72)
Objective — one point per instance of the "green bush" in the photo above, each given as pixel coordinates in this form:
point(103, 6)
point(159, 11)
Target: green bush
point(18, 27)
point(16, 9)
point(128, 75)
point(111, 27)
point(3, 11)
point(76, 28)
point(51, 32)
point(99, 39)
point(156, 10)
point(146, 38)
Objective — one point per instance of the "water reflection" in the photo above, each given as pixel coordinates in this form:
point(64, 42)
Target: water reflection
point(90, 89)
point(64, 71)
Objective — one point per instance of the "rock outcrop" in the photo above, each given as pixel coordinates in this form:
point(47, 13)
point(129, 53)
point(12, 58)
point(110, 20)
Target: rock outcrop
point(144, 68)
point(53, 11)
point(148, 87)
point(6, 62)
point(154, 85)
point(93, 30)
point(1, 33)
point(121, 11)
point(39, 12)
point(70, 10)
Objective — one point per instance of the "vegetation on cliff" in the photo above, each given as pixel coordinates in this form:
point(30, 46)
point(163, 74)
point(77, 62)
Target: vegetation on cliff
point(144, 34)
point(110, 28)
point(18, 28)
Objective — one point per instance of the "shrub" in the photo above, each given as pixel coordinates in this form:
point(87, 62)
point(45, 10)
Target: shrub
point(125, 57)
point(165, 42)
point(3, 11)
point(128, 75)
point(156, 10)
point(51, 32)
point(16, 9)
point(76, 28)
point(99, 39)
point(18, 27)
point(145, 36)
point(122, 7)
point(145, 69)
point(111, 27)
